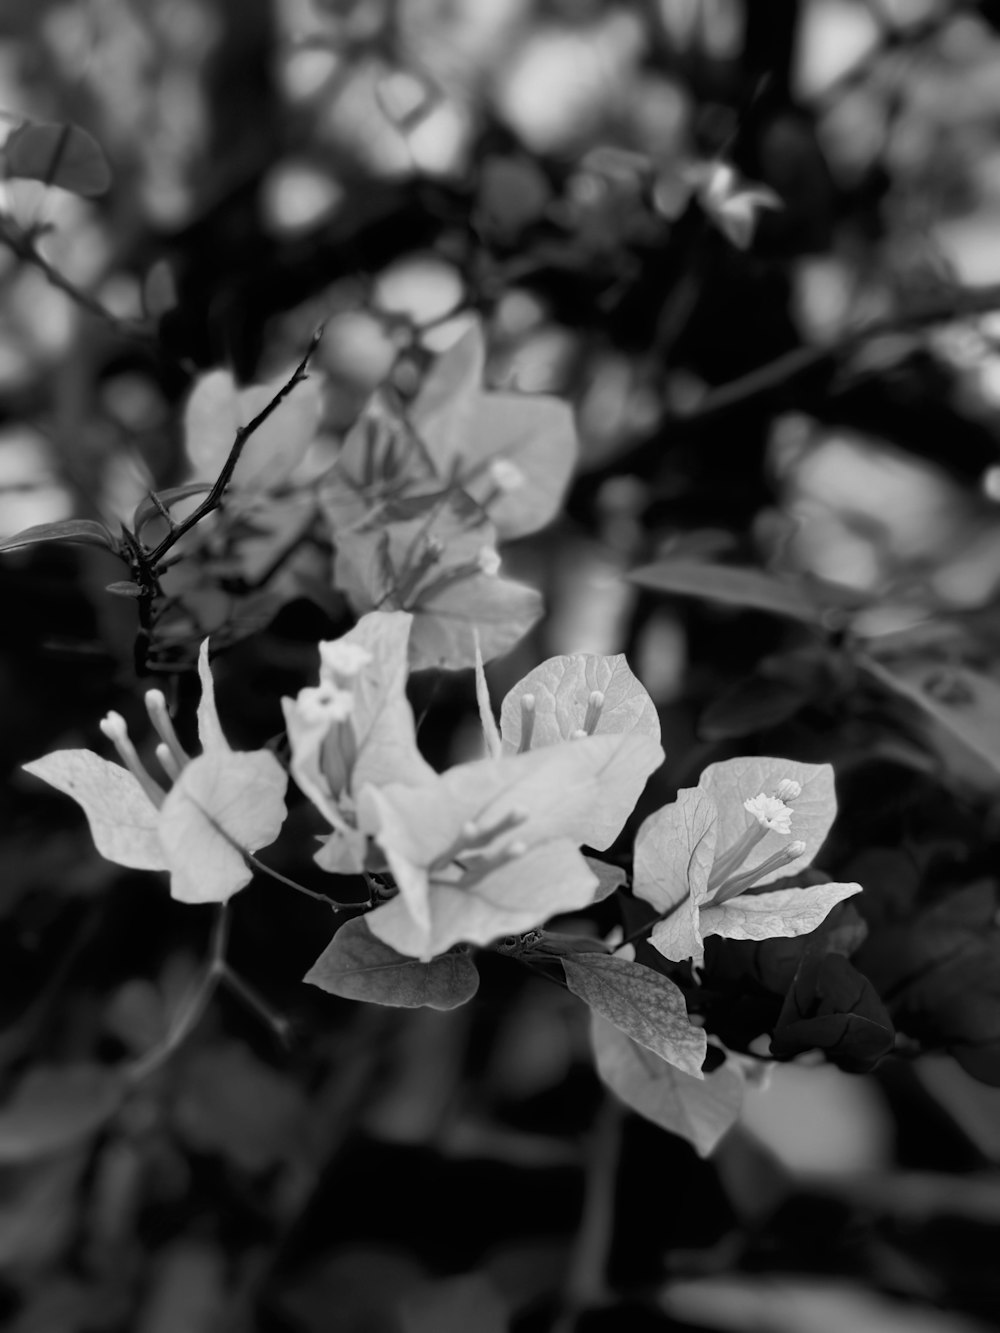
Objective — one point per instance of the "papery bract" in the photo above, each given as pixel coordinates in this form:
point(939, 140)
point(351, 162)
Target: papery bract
point(746, 824)
point(222, 804)
point(355, 727)
point(580, 692)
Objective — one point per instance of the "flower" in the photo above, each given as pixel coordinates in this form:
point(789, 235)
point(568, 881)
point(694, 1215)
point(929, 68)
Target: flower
point(731, 203)
point(222, 804)
point(355, 726)
point(696, 858)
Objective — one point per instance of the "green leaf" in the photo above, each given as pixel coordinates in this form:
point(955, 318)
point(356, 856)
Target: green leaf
point(357, 966)
point(55, 1107)
point(962, 702)
point(698, 1110)
point(478, 907)
point(225, 803)
point(734, 585)
point(562, 688)
point(124, 822)
point(754, 704)
point(148, 509)
point(57, 154)
point(453, 1305)
point(82, 531)
point(645, 1005)
point(830, 1005)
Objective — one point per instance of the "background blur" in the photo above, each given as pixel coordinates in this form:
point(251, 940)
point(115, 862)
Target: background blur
point(395, 169)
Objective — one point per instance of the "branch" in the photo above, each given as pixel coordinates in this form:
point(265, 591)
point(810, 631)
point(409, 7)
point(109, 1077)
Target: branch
point(213, 499)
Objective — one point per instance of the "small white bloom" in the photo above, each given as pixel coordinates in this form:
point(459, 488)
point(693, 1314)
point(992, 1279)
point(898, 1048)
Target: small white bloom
point(506, 476)
point(343, 660)
point(769, 812)
point(788, 790)
point(325, 703)
point(488, 561)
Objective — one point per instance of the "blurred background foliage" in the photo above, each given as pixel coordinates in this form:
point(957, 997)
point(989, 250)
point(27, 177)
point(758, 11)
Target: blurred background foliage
point(817, 409)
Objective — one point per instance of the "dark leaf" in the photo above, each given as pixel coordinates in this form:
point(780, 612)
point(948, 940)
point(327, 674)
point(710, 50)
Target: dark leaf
point(751, 705)
point(62, 155)
point(55, 1106)
point(148, 508)
point(833, 1007)
point(735, 585)
point(83, 531)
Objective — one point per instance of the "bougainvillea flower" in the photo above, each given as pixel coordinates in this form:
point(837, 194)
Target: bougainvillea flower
point(355, 727)
point(748, 823)
point(215, 808)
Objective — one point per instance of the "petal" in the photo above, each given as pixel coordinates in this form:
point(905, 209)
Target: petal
point(209, 727)
point(734, 780)
point(675, 850)
point(679, 936)
point(222, 805)
point(124, 822)
point(786, 912)
point(562, 687)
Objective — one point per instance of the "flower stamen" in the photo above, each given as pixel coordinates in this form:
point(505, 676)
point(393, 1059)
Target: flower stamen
point(737, 884)
point(594, 705)
point(156, 707)
point(115, 729)
point(168, 761)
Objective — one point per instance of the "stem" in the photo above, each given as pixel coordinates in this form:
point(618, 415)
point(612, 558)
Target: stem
point(213, 499)
point(252, 861)
point(190, 1014)
point(585, 1284)
point(255, 1002)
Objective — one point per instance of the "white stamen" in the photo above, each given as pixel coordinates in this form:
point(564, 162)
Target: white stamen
point(594, 705)
point(156, 707)
point(770, 812)
point(737, 884)
point(114, 728)
point(488, 561)
point(168, 762)
point(788, 790)
point(527, 722)
point(505, 475)
point(578, 735)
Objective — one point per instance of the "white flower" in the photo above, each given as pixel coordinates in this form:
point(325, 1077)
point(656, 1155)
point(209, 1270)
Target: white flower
point(770, 812)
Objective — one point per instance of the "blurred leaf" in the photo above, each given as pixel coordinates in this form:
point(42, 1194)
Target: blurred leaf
point(83, 531)
point(58, 154)
point(148, 509)
point(645, 1005)
point(699, 1110)
point(733, 584)
point(754, 704)
point(55, 1106)
point(358, 966)
point(833, 1007)
point(454, 1305)
point(562, 689)
point(230, 1103)
point(964, 702)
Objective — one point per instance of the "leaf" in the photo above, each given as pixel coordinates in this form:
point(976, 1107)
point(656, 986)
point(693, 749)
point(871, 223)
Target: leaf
point(217, 409)
point(754, 704)
point(491, 735)
point(645, 1005)
point(698, 1110)
point(562, 688)
point(57, 154)
point(734, 585)
point(830, 1005)
point(732, 781)
point(453, 1305)
point(124, 822)
point(968, 708)
point(223, 804)
point(56, 1106)
point(761, 916)
point(517, 896)
point(148, 509)
point(82, 531)
point(610, 878)
point(357, 966)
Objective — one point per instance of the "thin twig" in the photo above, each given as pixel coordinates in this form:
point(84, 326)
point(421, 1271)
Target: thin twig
point(213, 499)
